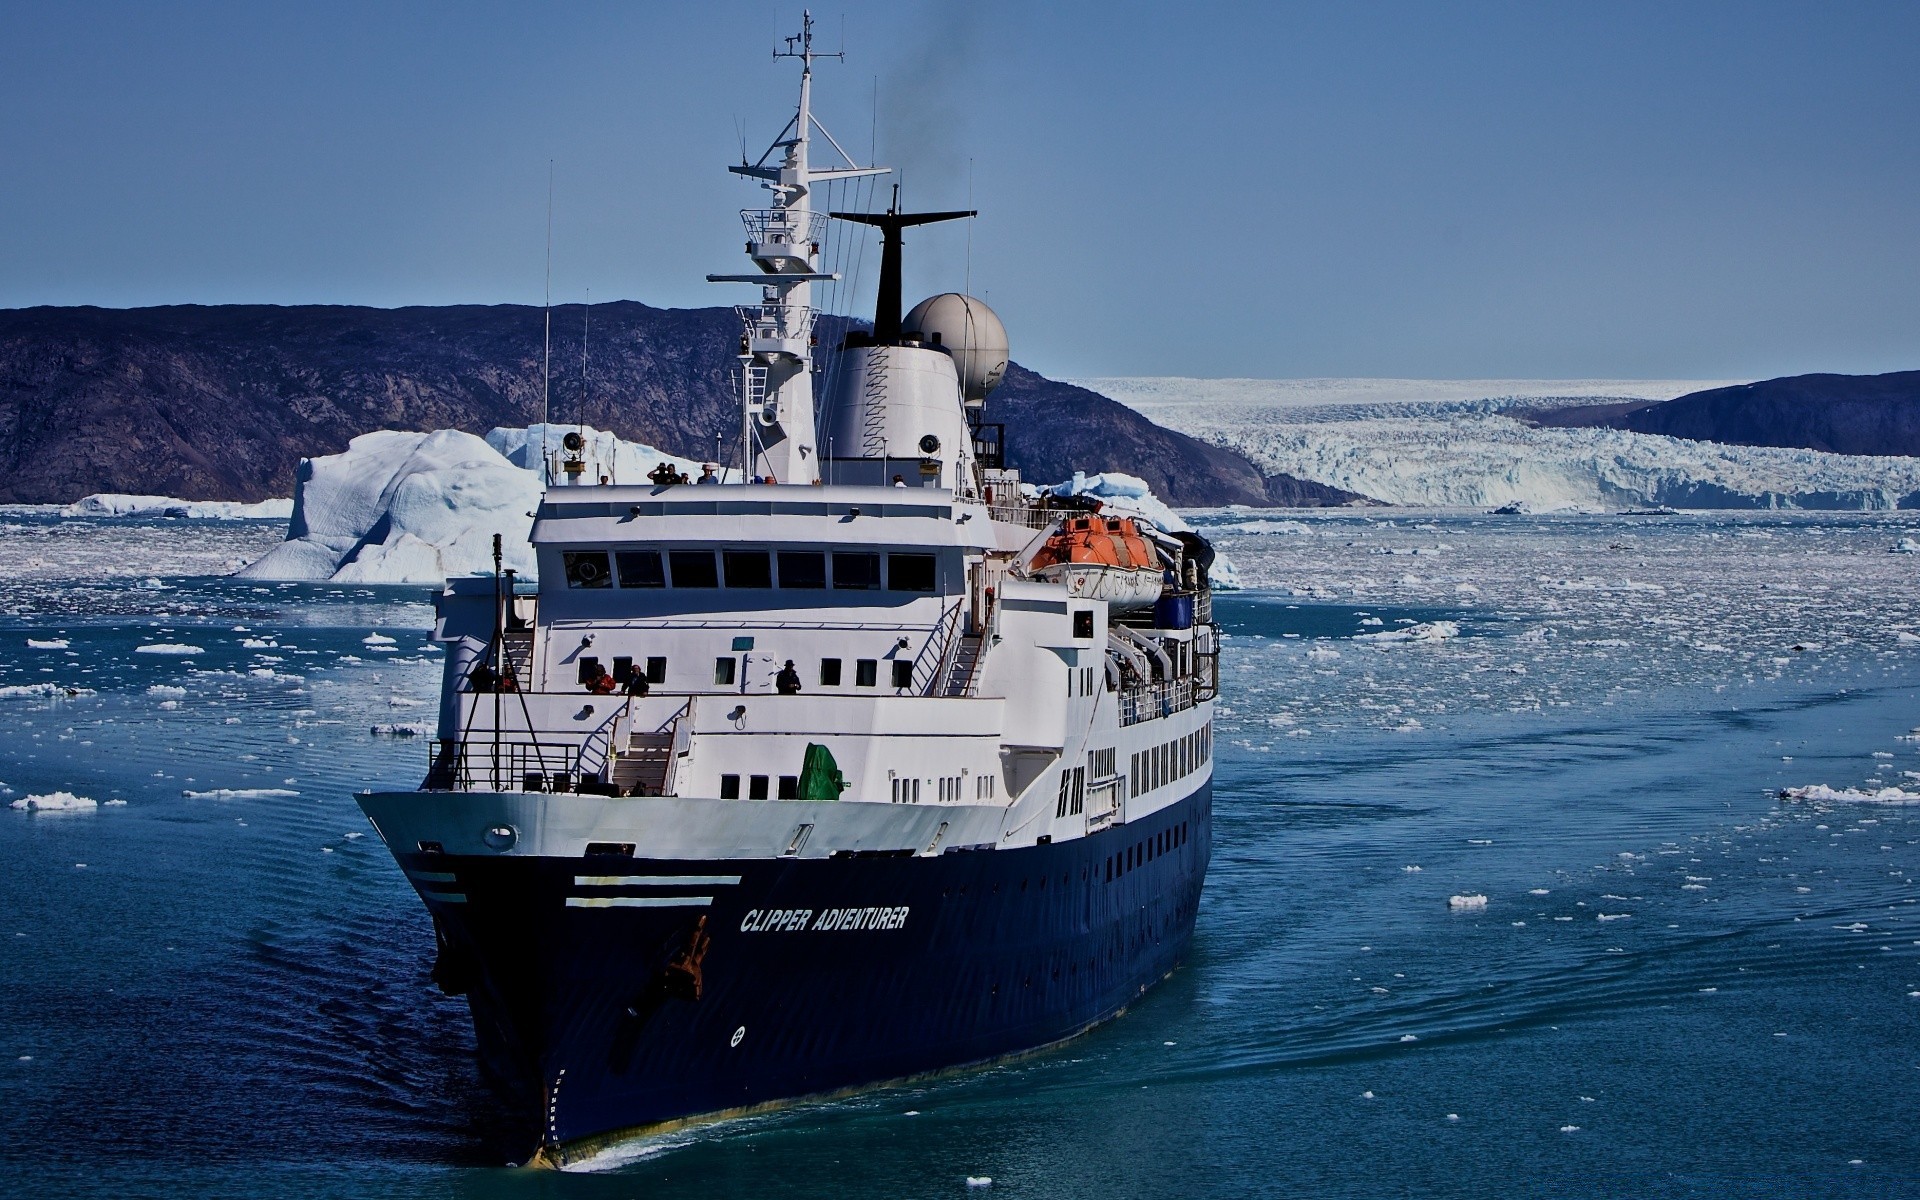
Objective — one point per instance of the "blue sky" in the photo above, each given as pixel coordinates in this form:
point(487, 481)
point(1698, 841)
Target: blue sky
point(1448, 190)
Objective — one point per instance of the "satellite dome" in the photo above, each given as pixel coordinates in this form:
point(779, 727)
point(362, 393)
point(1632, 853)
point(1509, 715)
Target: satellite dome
point(970, 332)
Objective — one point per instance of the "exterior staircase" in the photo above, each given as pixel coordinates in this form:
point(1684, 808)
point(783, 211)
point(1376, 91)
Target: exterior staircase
point(966, 661)
point(641, 769)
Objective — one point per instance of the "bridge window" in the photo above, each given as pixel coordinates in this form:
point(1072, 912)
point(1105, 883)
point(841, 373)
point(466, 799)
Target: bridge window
point(587, 569)
point(748, 568)
point(856, 571)
point(589, 668)
point(789, 787)
point(640, 569)
point(622, 668)
point(1083, 622)
point(866, 672)
point(803, 569)
point(829, 672)
point(723, 672)
point(756, 787)
point(693, 568)
point(656, 670)
point(729, 787)
point(902, 674)
point(910, 572)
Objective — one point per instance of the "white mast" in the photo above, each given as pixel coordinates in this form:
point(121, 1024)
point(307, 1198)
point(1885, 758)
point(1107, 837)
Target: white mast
point(776, 344)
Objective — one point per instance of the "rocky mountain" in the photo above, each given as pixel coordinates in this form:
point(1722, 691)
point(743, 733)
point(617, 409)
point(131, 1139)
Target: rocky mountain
point(1842, 414)
point(222, 402)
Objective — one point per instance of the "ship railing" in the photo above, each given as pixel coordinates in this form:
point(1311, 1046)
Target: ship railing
point(1030, 515)
point(504, 766)
point(784, 225)
point(1151, 701)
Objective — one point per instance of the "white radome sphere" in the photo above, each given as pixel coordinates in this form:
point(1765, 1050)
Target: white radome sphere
point(970, 332)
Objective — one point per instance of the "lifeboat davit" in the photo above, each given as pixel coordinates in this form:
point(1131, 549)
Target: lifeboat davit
point(1101, 558)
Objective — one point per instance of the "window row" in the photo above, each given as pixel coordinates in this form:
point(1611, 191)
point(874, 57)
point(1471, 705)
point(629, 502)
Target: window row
point(1172, 760)
point(846, 570)
point(1143, 852)
point(757, 787)
point(866, 671)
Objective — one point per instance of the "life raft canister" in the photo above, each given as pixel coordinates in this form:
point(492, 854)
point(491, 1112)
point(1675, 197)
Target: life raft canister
point(1103, 541)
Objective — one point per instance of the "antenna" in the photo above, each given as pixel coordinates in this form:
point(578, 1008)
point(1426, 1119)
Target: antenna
point(586, 384)
point(966, 287)
point(546, 353)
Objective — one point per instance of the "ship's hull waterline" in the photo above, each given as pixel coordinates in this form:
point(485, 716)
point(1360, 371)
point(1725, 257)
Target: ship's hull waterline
point(616, 996)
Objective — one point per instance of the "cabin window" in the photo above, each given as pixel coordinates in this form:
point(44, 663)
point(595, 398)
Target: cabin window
point(622, 668)
point(902, 674)
point(693, 568)
point(723, 672)
point(856, 572)
point(789, 787)
point(587, 569)
point(656, 670)
point(1083, 622)
point(640, 569)
point(729, 787)
point(589, 668)
point(803, 569)
point(756, 787)
point(829, 672)
point(748, 568)
point(910, 572)
point(866, 672)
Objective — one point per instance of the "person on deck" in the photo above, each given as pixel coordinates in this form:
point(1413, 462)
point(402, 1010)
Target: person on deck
point(481, 678)
point(706, 474)
point(899, 481)
point(600, 683)
point(637, 684)
point(787, 682)
point(665, 476)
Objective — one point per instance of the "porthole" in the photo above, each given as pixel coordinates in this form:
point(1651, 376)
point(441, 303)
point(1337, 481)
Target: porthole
point(501, 837)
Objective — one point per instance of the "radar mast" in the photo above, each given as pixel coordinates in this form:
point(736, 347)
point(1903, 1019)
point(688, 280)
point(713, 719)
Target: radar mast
point(777, 425)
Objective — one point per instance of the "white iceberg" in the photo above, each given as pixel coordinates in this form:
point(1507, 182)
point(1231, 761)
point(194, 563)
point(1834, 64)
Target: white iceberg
point(115, 504)
point(177, 649)
point(400, 507)
point(404, 508)
point(55, 802)
point(1471, 903)
point(1820, 792)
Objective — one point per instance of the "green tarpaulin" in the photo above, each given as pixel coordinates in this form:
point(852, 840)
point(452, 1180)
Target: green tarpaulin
point(820, 777)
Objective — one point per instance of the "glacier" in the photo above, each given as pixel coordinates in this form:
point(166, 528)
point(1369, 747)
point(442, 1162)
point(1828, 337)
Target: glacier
point(1457, 444)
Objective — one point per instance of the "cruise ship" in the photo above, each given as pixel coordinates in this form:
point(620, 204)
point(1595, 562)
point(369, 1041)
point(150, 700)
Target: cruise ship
point(860, 762)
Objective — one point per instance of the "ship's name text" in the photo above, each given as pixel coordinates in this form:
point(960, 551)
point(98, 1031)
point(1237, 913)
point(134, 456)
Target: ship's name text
point(791, 920)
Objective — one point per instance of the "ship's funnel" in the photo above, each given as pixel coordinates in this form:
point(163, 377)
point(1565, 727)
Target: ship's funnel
point(886, 308)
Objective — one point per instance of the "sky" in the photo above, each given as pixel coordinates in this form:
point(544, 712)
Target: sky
point(1283, 190)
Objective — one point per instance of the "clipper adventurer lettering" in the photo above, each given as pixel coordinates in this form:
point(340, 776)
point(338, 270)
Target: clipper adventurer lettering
point(979, 827)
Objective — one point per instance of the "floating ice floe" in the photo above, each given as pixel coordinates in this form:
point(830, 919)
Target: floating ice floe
point(47, 644)
point(1425, 631)
point(175, 648)
point(1820, 792)
point(1906, 545)
point(27, 691)
point(1471, 903)
point(407, 730)
point(114, 504)
point(377, 639)
point(165, 689)
point(238, 793)
point(55, 802)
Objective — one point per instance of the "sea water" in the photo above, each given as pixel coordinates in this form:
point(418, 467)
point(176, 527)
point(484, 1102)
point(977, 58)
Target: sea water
point(1505, 898)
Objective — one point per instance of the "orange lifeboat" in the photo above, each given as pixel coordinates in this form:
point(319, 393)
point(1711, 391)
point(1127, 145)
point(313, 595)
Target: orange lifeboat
point(1101, 558)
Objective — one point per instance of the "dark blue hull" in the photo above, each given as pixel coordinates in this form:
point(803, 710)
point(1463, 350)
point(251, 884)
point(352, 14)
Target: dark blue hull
point(807, 976)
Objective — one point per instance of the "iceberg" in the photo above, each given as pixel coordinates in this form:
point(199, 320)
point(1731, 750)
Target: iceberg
point(55, 802)
point(399, 507)
point(115, 504)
